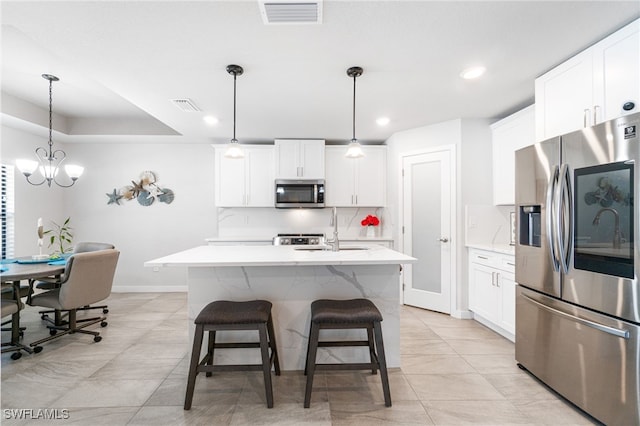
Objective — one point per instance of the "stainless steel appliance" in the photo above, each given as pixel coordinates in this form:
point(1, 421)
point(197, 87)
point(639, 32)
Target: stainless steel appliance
point(292, 193)
point(577, 263)
point(299, 240)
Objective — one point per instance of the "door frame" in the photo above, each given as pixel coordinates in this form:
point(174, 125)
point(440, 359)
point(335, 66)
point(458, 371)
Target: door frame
point(453, 238)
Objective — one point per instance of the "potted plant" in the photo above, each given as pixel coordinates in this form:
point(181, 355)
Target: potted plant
point(60, 237)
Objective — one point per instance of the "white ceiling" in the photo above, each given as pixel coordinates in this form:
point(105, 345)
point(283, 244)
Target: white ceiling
point(121, 62)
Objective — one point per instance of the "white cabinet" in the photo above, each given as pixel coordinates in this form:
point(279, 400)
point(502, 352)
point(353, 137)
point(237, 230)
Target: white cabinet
point(509, 135)
point(299, 159)
point(591, 87)
point(492, 290)
point(356, 182)
point(245, 182)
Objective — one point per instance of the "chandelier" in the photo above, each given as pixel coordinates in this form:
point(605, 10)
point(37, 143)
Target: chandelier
point(49, 161)
point(354, 150)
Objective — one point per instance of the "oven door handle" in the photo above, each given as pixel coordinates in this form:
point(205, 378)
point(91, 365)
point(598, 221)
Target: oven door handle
point(601, 327)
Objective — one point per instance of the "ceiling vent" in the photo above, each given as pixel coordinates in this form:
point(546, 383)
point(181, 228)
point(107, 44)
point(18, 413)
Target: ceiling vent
point(185, 105)
point(291, 11)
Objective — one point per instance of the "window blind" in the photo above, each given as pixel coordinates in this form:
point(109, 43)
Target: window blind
point(7, 210)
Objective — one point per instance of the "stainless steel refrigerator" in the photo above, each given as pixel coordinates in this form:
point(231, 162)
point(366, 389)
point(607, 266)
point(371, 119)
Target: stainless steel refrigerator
point(577, 266)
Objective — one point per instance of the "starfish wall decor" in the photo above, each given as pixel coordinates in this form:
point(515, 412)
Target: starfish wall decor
point(145, 190)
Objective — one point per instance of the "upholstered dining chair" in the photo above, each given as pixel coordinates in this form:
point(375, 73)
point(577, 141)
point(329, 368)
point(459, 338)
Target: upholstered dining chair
point(11, 307)
point(51, 283)
point(87, 279)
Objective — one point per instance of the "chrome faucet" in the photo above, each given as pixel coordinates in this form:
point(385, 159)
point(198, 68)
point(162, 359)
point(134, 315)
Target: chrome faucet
point(334, 242)
point(617, 235)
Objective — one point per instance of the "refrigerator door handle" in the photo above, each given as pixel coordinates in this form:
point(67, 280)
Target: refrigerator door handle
point(564, 209)
point(551, 206)
point(601, 327)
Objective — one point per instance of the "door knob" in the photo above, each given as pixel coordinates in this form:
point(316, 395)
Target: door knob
point(443, 240)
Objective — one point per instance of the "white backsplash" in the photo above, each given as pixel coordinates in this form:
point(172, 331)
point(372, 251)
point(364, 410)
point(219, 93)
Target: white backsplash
point(488, 224)
point(268, 222)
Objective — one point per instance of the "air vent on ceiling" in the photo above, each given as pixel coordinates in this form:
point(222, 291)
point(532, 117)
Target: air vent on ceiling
point(185, 105)
point(291, 11)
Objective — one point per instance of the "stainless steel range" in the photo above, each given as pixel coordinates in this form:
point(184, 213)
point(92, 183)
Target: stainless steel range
point(299, 240)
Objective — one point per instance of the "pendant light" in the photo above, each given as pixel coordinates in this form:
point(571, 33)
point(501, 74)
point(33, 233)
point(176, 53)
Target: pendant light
point(49, 161)
point(354, 150)
point(233, 147)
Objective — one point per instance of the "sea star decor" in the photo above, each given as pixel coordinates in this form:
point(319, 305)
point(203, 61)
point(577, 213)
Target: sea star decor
point(146, 190)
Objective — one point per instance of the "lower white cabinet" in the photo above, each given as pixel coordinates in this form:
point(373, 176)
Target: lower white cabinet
point(492, 290)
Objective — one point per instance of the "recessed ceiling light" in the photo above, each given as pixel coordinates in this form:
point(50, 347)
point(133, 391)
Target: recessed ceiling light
point(472, 72)
point(383, 121)
point(210, 120)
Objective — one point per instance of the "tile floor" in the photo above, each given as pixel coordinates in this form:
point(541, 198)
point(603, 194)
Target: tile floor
point(453, 372)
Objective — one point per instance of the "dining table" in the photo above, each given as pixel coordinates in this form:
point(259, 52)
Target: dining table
point(14, 271)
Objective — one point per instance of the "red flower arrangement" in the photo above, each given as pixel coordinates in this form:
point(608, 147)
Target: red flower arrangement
point(370, 220)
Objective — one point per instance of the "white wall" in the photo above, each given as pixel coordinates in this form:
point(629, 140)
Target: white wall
point(472, 141)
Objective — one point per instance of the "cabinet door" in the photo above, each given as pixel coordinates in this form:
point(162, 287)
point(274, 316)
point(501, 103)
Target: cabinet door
point(370, 177)
point(483, 296)
point(509, 135)
point(288, 159)
point(564, 97)
point(300, 159)
point(339, 180)
point(260, 185)
point(617, 71)
point(507, 284)
point(312, 159)
point(230, 180)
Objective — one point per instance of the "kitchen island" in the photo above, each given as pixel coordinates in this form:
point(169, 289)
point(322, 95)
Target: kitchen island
point(291, 277)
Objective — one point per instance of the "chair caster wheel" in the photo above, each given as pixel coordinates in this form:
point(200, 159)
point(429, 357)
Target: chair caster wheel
point(44, 317)
point(53, 332)
point(105, 311)
point(97, 339)
point(16, 355)
point(104, 324)
point(21, 334)
point(37, 349)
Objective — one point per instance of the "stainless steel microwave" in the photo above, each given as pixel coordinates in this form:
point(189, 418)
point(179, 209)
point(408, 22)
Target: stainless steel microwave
point(296, 193)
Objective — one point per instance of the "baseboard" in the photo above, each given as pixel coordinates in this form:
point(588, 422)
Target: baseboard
point(462, 314)
point(506, 334)
point(149, 289)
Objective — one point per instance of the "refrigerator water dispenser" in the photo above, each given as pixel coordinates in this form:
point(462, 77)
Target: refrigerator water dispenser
point(530, 226)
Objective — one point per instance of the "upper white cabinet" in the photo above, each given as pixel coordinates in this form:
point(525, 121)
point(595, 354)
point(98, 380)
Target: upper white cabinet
point(299, 159)
point(245, 182)
point(591, 87)
point(356, 182)
point(509, 135)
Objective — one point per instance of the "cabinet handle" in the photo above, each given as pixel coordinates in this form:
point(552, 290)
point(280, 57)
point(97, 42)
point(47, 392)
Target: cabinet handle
point(511, 264)
point(493, 279)
point(356, 199)
point(585, 118)
point(498, 279)
point(595, 114)
point(482, 257)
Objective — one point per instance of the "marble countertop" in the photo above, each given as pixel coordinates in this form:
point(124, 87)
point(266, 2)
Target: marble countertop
point(498, 248)
point(214, 256)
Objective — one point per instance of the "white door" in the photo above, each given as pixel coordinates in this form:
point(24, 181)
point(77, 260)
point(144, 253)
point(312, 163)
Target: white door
point(428, 193)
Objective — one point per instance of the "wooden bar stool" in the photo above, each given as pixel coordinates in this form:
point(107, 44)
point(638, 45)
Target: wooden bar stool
point(346, 314)
point(225, 315)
